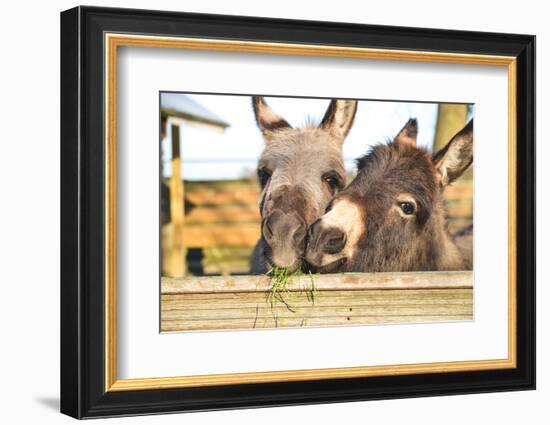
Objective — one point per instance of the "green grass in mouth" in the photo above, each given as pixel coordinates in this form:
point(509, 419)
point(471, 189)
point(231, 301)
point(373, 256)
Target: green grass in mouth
point(279, 290)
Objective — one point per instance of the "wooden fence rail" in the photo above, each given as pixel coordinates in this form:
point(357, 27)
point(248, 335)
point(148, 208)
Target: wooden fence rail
point(247, 302)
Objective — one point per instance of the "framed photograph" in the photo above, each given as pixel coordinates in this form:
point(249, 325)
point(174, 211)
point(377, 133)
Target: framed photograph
point(261, 212)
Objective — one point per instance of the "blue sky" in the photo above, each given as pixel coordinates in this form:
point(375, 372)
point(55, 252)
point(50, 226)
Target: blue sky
point(210, 155)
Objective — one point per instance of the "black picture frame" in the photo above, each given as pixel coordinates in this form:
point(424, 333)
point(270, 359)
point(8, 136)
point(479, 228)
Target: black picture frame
point(83, 392)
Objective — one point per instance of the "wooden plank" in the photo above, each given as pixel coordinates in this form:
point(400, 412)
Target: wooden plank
point(224, 185)
point(284, 311)
point(212, 236)
point(274, 322)
point(246, 302)
point(245, 196)
point(225, 215)
point(462, 209)
point(460, 190)
point(320, 298)
point(221, 235)
point(342, 281)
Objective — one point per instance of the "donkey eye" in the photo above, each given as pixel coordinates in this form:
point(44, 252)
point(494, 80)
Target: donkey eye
point(332, 181)
point(407, 207)
point(263, 176)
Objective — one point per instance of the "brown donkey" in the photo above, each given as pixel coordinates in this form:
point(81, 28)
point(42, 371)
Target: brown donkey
point(299, 171)
point(392, 216)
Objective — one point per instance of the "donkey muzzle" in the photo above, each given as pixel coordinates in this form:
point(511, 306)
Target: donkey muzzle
point(325, 245)
point(285, 234)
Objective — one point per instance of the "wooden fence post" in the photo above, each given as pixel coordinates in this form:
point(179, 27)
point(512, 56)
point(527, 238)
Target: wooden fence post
point(451, 119)
point(176, 263)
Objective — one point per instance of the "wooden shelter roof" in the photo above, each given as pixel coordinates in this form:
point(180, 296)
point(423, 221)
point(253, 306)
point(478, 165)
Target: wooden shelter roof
point(184, 107)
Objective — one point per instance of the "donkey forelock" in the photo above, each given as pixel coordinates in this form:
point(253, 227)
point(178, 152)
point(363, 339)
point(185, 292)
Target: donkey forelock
point(390, 169)
point(297, 159)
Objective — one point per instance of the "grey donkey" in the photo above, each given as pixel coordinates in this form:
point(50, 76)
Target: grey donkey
point(299, 172)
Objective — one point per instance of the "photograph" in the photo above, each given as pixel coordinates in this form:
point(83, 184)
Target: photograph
point(281, 212)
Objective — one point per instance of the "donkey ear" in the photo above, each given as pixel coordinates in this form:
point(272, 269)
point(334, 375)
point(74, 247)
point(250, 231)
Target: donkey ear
point(407, 135)
point(266, 118)
point(452, 160)
point(339, 117)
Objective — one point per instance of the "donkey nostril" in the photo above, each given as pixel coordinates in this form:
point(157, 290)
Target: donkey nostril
point(335, 241)
point(338, 241)
point(300, 233)
point(268, 227)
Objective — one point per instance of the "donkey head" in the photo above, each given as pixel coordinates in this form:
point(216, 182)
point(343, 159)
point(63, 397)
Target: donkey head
point(391, 217)
point(299, 171)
